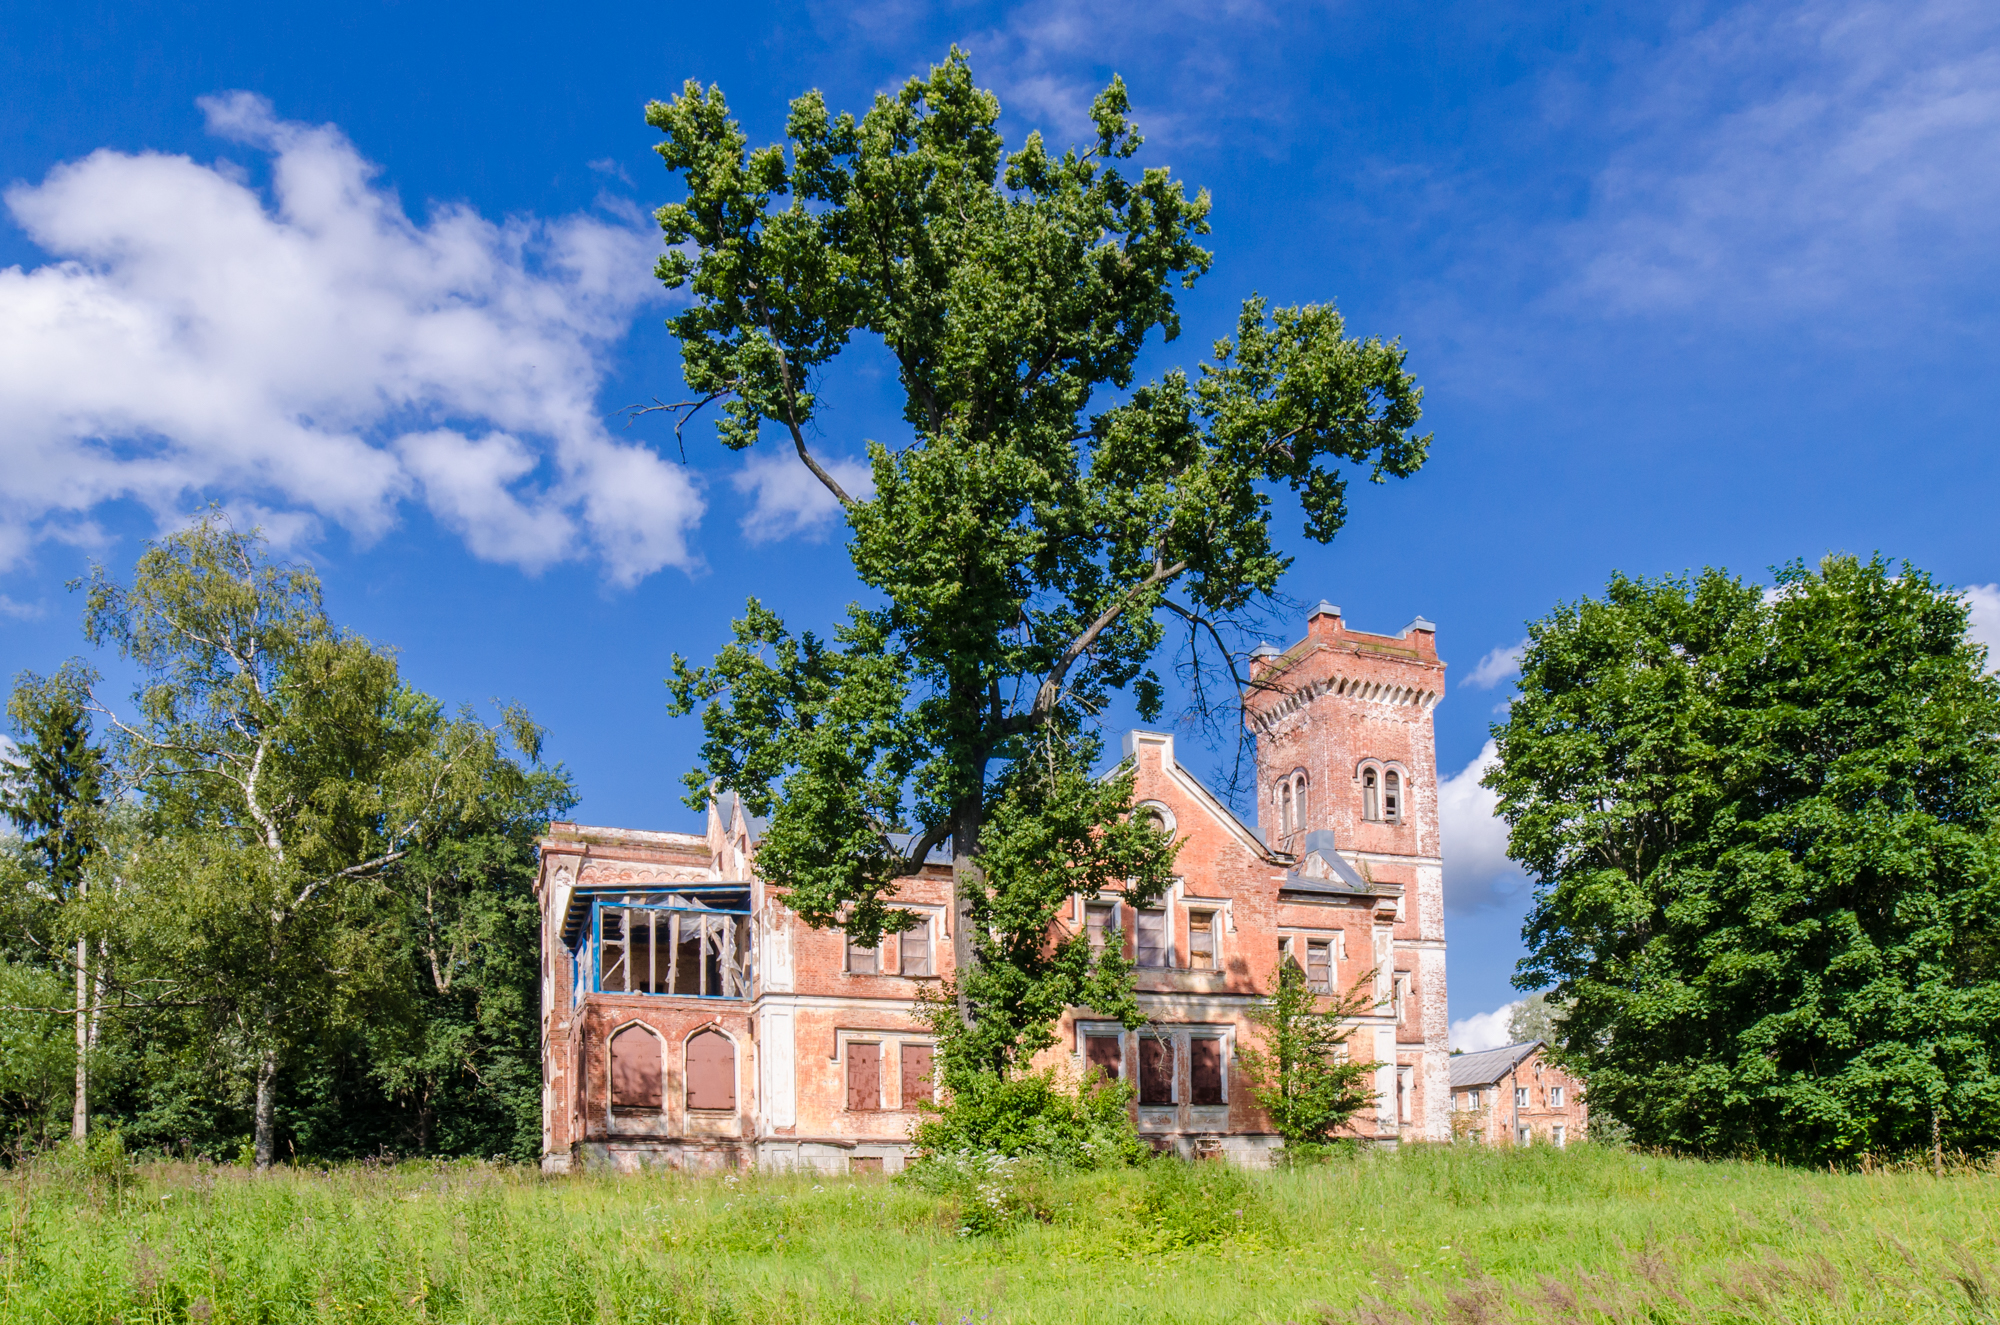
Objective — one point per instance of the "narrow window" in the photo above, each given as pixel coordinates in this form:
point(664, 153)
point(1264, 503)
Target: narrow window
point(1392, 796)
point(1520, 1097)
point(612, 965)
point(711, 1071)
point(1298, 802)
point(1370, 807)
point(915, 953)
point(1319, 965)
point(916, 1065)
point(1475, 1099)
point(1156, 1070)
point(1523, 1136)
point(1402, 999)
point(863, 961)
point(1205, 1070)
point(1406, 1093)
point(1097, 921)
point(1153, 938)
point(1106, 1054)
point(1285, 821)
point(1555, 1097)
point(1201, 940)
point(635, 1069)
point(1558, 1135)
point(864, 1076)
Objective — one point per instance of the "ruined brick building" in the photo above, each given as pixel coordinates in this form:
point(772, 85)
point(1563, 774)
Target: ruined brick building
point(1512, 1096)
point(690, 1019)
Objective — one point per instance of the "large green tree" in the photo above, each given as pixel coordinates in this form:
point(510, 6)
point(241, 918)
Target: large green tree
point(1762, 826)
point(290, 778)
point(1031, 535)
point(54, 791)
point(1302, 1070)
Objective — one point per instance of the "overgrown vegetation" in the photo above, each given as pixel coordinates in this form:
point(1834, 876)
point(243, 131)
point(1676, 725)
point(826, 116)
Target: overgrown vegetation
point(1435, 1234)
point(1303, 1071)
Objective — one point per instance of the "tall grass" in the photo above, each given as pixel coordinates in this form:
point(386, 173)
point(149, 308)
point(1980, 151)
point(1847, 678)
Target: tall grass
point(1454, 1235)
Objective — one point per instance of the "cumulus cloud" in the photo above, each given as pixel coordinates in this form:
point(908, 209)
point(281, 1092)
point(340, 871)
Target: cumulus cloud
point(1984, 600)
point(319, 356)
point(1495, 667)
point(788, 500)
point(1477, 873)
point(18, 611)
point(1483, 1030)
point(1786, 158)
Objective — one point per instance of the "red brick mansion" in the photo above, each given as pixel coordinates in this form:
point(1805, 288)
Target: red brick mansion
point(690, 1019)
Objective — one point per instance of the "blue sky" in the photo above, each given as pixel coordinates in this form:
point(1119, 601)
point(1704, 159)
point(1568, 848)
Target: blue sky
point(1686, 285)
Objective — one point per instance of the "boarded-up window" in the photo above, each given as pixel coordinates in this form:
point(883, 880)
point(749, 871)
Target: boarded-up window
point(863, 961)
point(1153, 938)
point(1096, 922)
point(916, 1060)
point(1319, 965)
point(635, 1069)
point(1201, 940)
point(1156, 1070)
point(864, 1164)
point(1205, 1071)
point(864, 1076)
point(1104, 1053)
point(915, 954)
point(711, 1071)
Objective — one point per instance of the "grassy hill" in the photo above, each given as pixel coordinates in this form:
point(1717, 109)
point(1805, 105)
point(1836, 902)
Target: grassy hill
point(1453, 1235)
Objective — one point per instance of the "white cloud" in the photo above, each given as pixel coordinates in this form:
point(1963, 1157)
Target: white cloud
point(19, 611)
point(1788, 158)
point(1984, 600)
point(1477, 873)
point(1483, 1030)
point(1495, 667)
point(319, 356)
point(789, 500)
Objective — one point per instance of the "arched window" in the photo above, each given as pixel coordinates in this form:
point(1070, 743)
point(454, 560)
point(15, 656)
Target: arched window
point(711, 1071)
point(1298, 802)
point(1285, 821)
point(1392, 796)
point(635, 1069)
point(1371, 805)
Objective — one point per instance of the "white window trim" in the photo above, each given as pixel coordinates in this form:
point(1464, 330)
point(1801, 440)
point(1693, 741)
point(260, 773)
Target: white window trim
point(930, 911)
point(1216, 924)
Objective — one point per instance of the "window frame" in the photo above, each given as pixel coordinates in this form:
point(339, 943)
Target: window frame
point(847, 951)
point(688, 1106)
point(1165, 912)
point(1212, 914)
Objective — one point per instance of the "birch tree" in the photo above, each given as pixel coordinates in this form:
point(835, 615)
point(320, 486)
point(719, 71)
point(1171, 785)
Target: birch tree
point(287, 770)
point(1035, 527)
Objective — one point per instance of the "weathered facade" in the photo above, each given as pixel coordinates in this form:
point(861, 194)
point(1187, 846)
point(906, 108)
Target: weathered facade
point(1512, 1096)
point(690, 1019)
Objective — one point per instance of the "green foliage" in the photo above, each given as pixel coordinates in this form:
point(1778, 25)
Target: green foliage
point(1434, 1233)
point(1532, 1019)
point(37, 1056)
point(54, 792)
point(1763, 833)
point(1301, 1074)
point(1086, 1125)
point(1027, 554)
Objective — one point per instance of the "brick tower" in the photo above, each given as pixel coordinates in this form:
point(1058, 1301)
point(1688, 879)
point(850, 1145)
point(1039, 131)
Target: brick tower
point(1345, 747)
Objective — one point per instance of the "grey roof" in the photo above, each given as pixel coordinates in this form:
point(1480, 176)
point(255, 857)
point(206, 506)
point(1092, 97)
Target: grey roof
point(1488, 1065)
point(1340, 879)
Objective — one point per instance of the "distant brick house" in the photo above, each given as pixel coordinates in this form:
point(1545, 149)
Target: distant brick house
point(690, 1019)
point(1511, 1096)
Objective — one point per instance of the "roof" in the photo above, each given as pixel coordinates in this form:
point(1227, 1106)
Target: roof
point(1489, 1065)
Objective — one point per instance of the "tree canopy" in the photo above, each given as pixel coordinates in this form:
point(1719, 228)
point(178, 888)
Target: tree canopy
point(1032, 536)
point(1762, 825)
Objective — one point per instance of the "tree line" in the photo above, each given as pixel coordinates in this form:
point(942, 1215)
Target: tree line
point(277, 903)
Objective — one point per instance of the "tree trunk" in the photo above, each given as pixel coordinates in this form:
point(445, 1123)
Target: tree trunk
point(265, 1136)
point(1937, 1145)
point(79, 1117)
point(965, 880)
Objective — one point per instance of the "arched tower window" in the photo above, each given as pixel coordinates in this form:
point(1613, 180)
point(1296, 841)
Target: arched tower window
point(1392, 796)
point(635, 1069)
point(1371, 795)
point(1298, 802)
point(1285, 823)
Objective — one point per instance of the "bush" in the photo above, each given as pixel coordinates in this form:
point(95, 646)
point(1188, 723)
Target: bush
point(1069, 1124)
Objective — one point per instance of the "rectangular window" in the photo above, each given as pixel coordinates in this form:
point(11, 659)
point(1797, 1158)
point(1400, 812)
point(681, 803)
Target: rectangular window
point(1402, 999)
point(864, 1076)
point(916, 1060)
point(1098, 920)
point(914, 953)
point(1557, 1135)
point(1201, 940)
point(863, 961)
point(1520, 1097)
point(1153, 938)
point(1205, 1070)
point(1475, 1098)
point(1106, 1054)
point(1156, 1070)
point(1319, 965)
point(1555, 1097)
point(1523, 1136)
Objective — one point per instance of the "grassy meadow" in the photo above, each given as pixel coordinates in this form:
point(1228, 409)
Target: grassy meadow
point(1447, 1234)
